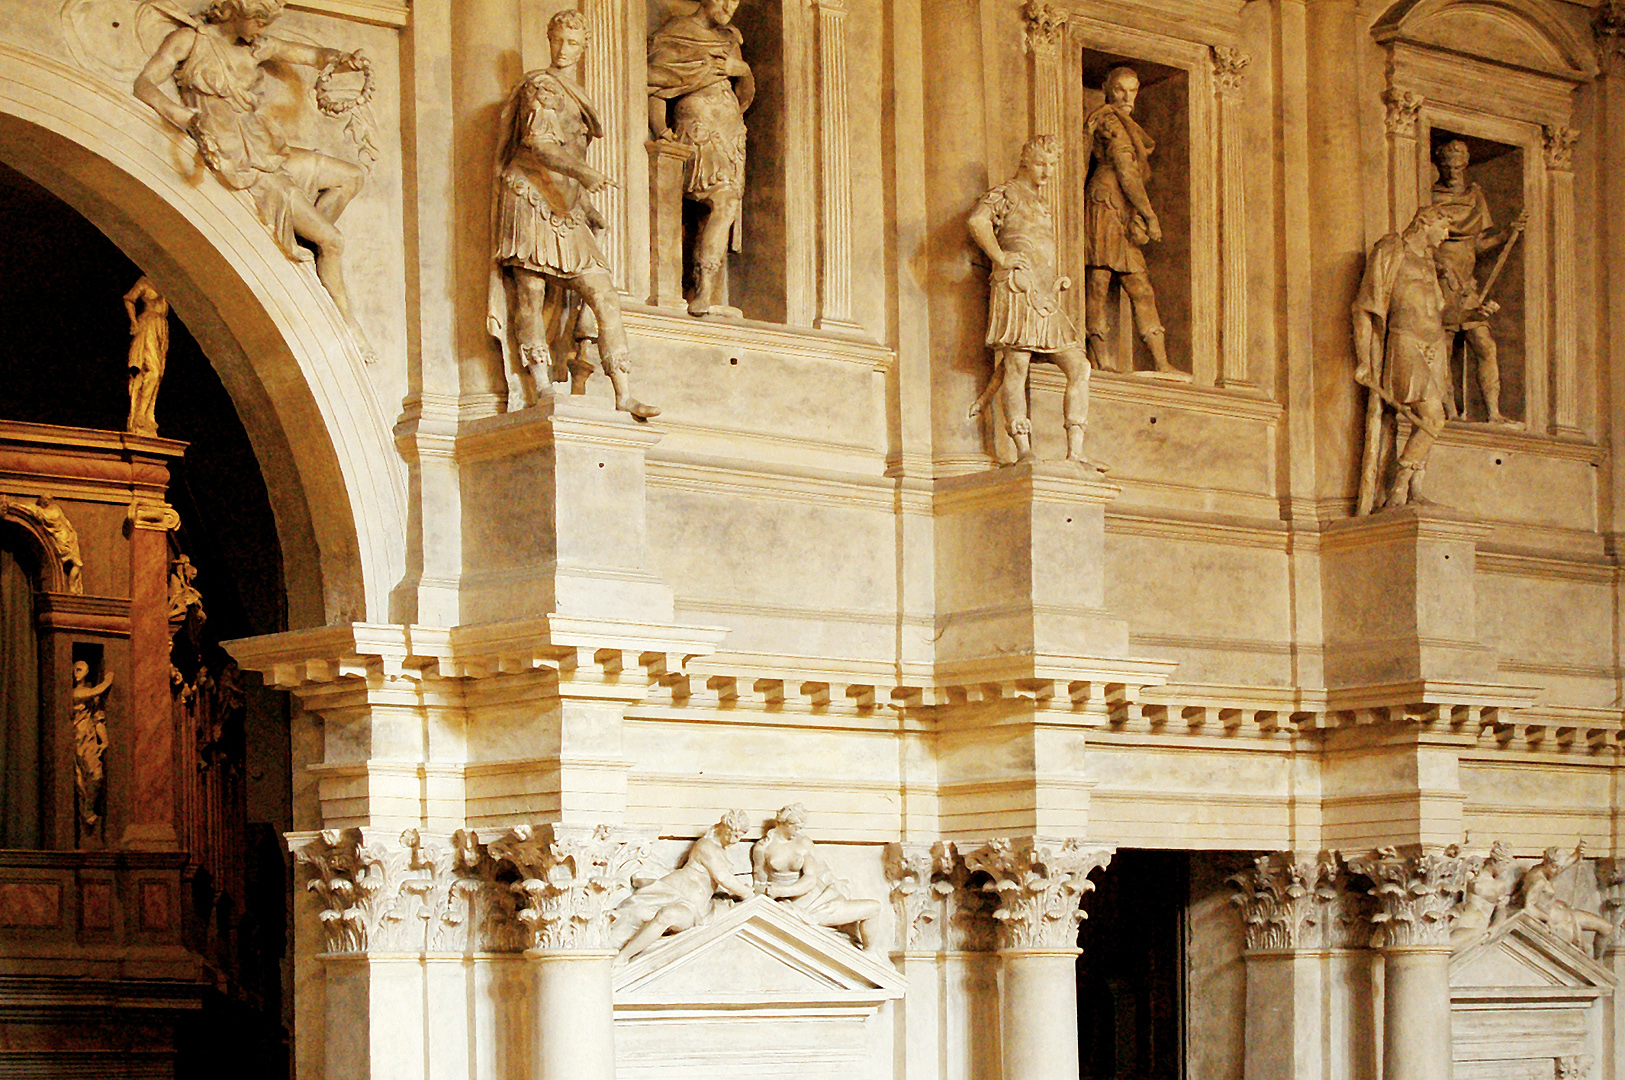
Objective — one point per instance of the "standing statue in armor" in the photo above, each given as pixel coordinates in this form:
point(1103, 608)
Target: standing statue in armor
point(699, 90)
point(1118, 217)
point(1472, 233)
point(543, 220)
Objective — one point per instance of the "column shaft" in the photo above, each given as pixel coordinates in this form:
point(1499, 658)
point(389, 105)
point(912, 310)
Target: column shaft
point(1416, 1013)
point(605, 76)
point(1565, 285)
point(835, 166)
point(575, 1014)
point(1038, 1013)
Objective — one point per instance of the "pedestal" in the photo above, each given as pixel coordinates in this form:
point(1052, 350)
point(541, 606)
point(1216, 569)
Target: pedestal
point(1398, 598)
point(1416, 1013)
point(575, 1014)
point(1024, 551)
point(666, 162)
point(554, 515)
point(1039, 1013)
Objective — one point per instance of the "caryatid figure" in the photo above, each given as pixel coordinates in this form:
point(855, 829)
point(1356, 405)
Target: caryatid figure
point(1403, 352)
point(544, 222)
point(699, 90)
point(1472, 233)
point(1014, 226)
point(1118, 219)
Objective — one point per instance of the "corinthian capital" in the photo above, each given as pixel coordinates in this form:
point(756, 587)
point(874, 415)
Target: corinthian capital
point(1229, 68)
point(1297, 903)
point(1416, 893)
point(1404, 106)
point(1046, 25)
point(569, 881)
point(1559, 147)
point(1040, 885)
point(919, 875)
point(1608, 26)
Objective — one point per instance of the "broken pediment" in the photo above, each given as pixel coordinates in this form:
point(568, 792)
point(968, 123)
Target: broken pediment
point(1522, 953)
point(758, 953)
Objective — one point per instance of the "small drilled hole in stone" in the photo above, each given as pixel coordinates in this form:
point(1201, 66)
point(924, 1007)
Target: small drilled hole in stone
point(734, 360)
point(1153, 419)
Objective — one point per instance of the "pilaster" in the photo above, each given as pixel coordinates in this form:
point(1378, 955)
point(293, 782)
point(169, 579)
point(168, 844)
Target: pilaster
point(834, 168)
point(1404, 110)
point(1229, 76)
point(1046, 37)
point(667, 159)
point(1559, 159)
point(605, 76)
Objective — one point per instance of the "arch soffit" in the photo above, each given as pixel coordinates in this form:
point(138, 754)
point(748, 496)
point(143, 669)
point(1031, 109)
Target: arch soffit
point(1528, 34)
point(52, 577)
point(338, 489)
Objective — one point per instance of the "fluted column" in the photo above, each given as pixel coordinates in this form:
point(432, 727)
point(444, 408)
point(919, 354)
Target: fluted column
point(1404, 108)
point(605, 75)
point(1415, 892)
point(1559, 156)
point(1046, 33)
point(1229, 72)
point(835, 168)
point(571, 879)
point(1040, 884)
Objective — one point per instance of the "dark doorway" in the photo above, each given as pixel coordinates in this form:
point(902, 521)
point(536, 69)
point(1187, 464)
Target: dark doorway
point(1131, 974)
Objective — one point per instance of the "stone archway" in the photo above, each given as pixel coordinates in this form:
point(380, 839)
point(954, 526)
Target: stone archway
point(336, 485)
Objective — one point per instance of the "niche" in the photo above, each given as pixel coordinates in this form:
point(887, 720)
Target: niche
point(89, 744)
point(1163, 111)
point(754, 277)
point(1498, 170)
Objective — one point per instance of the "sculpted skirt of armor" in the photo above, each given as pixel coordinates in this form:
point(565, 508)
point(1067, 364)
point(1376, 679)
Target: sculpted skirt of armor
point(1106, 225)
point(709, 120)
point(1023, 314)
point(1417, 367)
point(532, 234)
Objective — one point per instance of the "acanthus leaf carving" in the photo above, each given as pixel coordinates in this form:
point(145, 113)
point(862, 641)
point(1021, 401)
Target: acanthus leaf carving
point(1229, 68)
point(1558, 147)
point(920, 881)
point(1404, 107)
point(360, 886)
point(570, 880)
point(1040, 885)
point(1046, 25)
point(1416, 892)
point(1294, 903)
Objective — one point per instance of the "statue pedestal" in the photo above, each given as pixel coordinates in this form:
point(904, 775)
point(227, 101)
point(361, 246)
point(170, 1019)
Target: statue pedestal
point(1398, 595)
point(554, 516)
point(1031, 541)
point(666, 162)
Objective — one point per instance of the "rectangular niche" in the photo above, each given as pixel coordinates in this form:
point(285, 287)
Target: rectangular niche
point(1498, 169)
point(1163, 111)
point(757, 276)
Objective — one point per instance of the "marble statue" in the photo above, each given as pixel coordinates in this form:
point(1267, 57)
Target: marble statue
point(543, 222)
point(1118, 219)
point(1402, 353)
point(1472, 233)
point(686, 897)
point(1014, 226)
point(89, 741)
point(217, 63)
point(1484, 901)
point(785, 866)
point(699, 91)
point(149, 349)
point(59, 532)
point(1538, 891)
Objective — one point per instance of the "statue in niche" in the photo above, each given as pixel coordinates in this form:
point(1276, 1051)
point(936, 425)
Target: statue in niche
point(1402, 354)
point(89, 741)
point(218, 63)
point(686, 897)
point(543, 222)
point(699, 90)
point(1118, 219)
point(44, 512)
point(1472, 233)
point(1014, 226)
point(1539, 895)
point(149, 349)
point(785, 866)
point(1484, 902)
point(184, 596)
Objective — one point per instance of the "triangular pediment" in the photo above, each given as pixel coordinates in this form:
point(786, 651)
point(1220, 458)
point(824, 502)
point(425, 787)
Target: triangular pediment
point(760, 952)
point(1522, 952)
